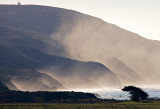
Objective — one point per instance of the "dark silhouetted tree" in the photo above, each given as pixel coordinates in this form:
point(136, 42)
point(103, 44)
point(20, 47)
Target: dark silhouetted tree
point(19, 3)
point(136, 93)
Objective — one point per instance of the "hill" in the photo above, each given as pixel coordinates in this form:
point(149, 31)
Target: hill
point(30, 60)
point(75, 48)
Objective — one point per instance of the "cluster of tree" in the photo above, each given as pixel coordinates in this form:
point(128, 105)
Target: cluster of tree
point(136, 93)
point(7, 96)
point(10, 96)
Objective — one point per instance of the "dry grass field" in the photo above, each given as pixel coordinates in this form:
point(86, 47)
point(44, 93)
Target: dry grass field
point(122, 105)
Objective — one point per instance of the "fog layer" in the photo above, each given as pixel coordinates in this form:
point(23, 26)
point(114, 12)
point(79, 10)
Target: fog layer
point(39, 37)
point(134, 59)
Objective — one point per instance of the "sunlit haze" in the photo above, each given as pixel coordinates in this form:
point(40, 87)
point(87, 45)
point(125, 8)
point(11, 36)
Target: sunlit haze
point(139, 16)
point(81, 46)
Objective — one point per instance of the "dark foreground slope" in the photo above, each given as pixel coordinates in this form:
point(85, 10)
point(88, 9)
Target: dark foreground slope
point(43, 97)
point(11, 96)
point(30, 59)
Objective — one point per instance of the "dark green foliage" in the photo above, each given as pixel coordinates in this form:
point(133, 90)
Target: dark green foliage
point(33, 97)
point(136, 93)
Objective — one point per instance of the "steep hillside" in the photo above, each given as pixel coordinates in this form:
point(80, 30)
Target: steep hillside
point(28, 80)
point(48, 38)
point(93, 39)
point(125, 53)
point(31, 60)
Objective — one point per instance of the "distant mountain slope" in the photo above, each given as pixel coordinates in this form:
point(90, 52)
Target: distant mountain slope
point(26, 46)
point(64, 69)
point(96, 40)
point(21, 56)
point(40, 37)
point(36, 18)
point(28, 80)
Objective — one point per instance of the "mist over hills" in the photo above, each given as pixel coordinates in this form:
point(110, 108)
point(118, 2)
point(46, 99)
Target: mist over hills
point(59, 49)
point(134, 59)
point(30, 60)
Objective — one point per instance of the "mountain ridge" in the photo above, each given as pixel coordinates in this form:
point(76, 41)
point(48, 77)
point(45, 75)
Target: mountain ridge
point(25, 48)
point(49, 32)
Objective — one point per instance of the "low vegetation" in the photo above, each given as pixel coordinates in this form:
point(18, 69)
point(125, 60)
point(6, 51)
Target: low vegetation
point(10, 99)
point(119, 105)
point(7, 96)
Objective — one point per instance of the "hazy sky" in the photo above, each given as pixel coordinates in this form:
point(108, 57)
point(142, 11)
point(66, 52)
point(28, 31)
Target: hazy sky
point(139, 16)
